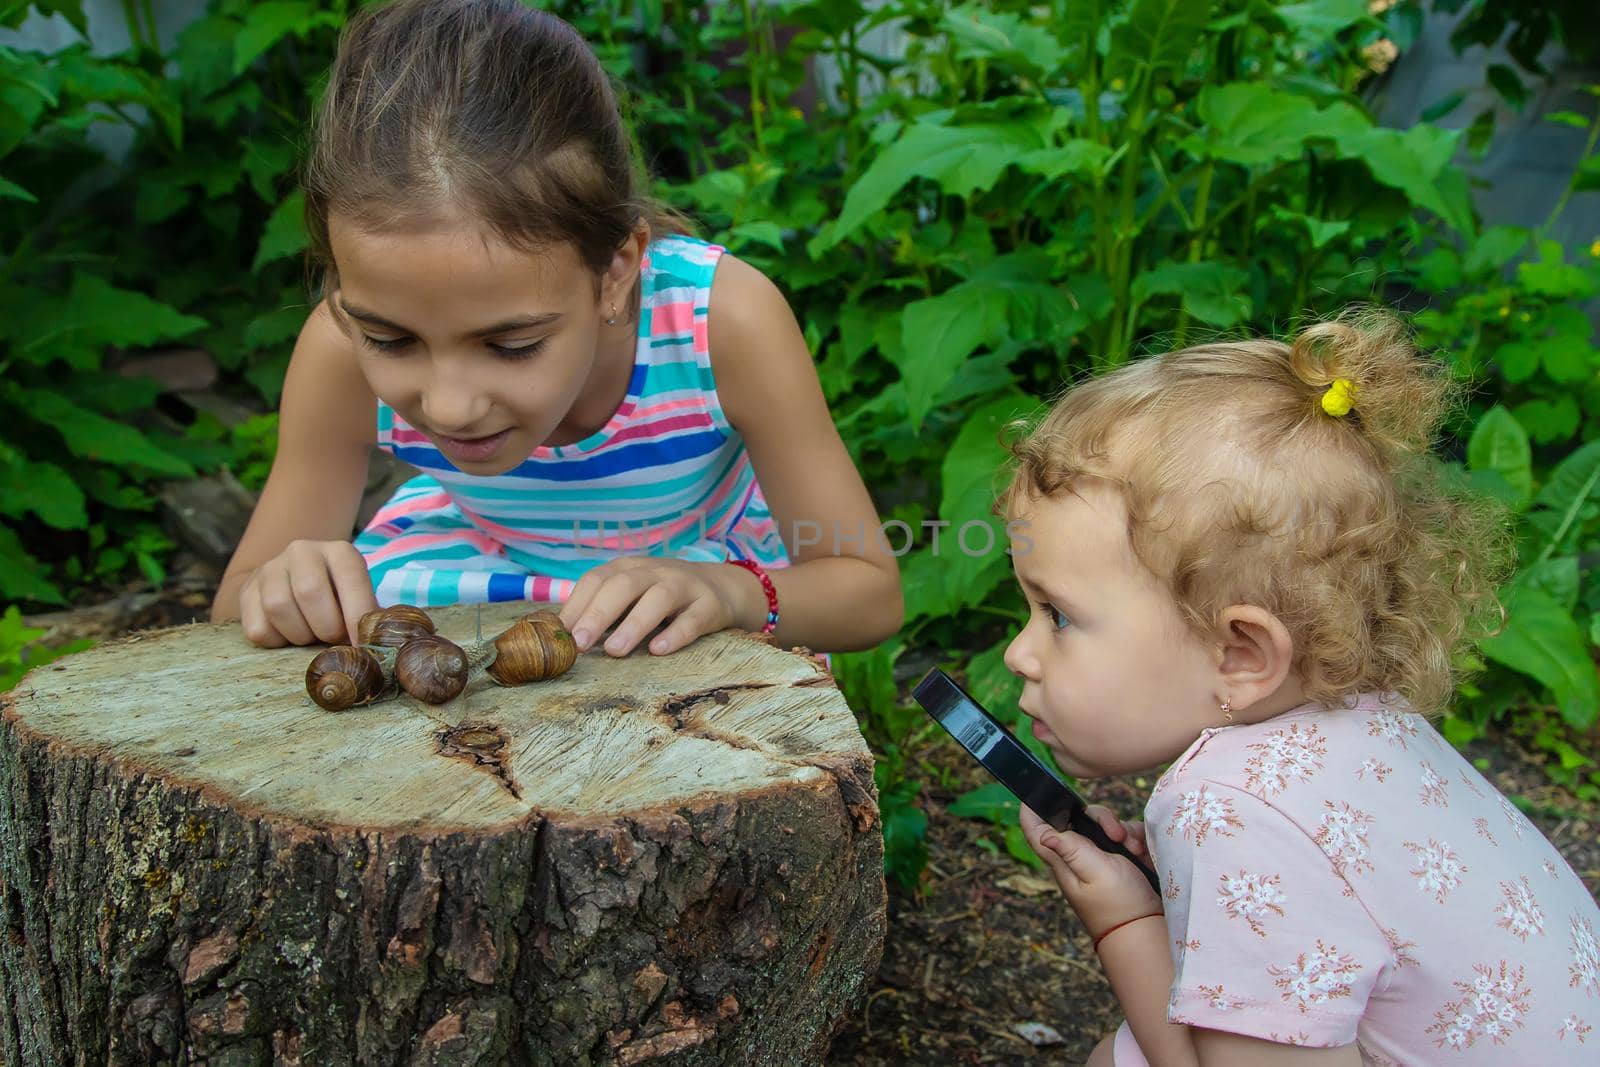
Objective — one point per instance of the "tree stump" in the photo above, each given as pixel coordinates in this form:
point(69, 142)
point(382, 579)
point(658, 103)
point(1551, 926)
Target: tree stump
point(648, 859)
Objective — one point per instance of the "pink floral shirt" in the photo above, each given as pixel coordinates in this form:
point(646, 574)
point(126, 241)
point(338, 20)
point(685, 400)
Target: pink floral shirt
point(1339, 876)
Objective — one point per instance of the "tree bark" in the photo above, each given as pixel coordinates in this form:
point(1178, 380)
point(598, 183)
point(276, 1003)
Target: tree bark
point(648, 859)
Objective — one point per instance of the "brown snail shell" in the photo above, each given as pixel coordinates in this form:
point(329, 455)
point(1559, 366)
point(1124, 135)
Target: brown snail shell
point(533, 649)
point(392, 627)
point(344, 677)
point(431, 668)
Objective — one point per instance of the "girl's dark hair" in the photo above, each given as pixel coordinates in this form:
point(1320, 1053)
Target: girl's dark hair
point(484, 108)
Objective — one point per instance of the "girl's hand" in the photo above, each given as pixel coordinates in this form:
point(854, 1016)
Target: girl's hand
point(311, 591)
point(700, 598)
point(1103, 889)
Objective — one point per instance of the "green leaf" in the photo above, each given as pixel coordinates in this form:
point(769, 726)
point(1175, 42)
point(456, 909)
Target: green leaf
point(10, 190)
point(1078, 156)
point(285, 233)
point(1556, 578)
point(1499, 443)
point(1211, 292)
point(21, 575)
point(1549, 421)
point(1518, 360)
point(265, 24)
point(1495, 247)
point(275, 327)
point(905, 846)
point(1553, 276)
point(1316, 21)
point(972, 549)
point(1568, 118)
point(95, 314)
point(1158, 36)
point(962, 159)
point(1412, 161)
point(94, 436)
point(992, 684)
point(1253, 122)
point(940, 332)
point(1508, 85)
point(760, 232)
point(1541, 640)
point(44, 489)
point(992, 802)
point(978, 33)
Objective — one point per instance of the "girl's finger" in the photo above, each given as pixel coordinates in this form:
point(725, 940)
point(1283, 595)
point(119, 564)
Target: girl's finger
point(253, 618)
point(657, 602)
point(283, 613)
point(352, 585)
point(578, 600)
point(693, 621)
point(611, 598)
point(1040, 837)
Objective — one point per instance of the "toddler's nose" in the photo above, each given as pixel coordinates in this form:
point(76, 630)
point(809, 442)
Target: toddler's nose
point(1017, 659)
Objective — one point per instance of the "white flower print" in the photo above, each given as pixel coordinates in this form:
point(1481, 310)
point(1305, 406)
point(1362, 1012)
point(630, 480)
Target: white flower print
point(1342, 834)
point(1376, 768)
point(1491, 1005)
point(1286, 756)
point(1398, 946)
point(1218, 1000)
point(1250, 897)
point(1513, 816)
point(1439, 869)
point(1550, 869)
point(1200, 813)
point(1392, 727)
point(1575, 1026)
point(1433, 787)
point(1585, 957)
point(1316, 977)
point(1519, 912)
point(1482, 825)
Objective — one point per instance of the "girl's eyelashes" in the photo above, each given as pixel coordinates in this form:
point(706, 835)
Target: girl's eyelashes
point(506, 351)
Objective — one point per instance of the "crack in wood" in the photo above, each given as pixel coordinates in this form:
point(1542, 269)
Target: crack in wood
point(482, 745)
point(678, 707)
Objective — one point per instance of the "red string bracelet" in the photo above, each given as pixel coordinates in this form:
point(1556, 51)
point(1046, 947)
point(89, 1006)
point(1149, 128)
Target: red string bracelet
point(766, 586)
point(1107, 933)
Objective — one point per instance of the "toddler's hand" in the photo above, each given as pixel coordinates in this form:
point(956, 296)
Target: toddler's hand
point(699, 598)
point(311, 591)
point(1129, 833)
point(1102, 888)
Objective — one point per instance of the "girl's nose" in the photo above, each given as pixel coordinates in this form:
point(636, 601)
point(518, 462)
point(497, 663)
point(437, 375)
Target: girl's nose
point(452, 405)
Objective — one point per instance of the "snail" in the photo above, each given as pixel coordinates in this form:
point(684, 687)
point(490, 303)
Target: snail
point(535, 648)
point(346, 677)
point(431, 668)
point(392, 627)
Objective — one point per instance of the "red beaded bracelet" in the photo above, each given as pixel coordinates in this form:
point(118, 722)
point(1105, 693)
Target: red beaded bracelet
point(766, 586)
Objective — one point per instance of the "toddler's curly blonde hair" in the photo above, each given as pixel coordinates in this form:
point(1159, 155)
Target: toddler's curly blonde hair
point(1241, 489)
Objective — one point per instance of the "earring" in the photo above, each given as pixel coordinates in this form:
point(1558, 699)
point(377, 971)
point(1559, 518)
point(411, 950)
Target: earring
point(1227, 710)
point(611, 320)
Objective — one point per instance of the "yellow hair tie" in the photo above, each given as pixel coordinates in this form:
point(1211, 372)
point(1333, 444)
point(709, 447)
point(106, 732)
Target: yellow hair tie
point(1340, 398)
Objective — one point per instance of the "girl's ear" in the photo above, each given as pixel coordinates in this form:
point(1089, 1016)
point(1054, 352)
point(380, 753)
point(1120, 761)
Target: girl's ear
point(1257, 655)
point(625, 263)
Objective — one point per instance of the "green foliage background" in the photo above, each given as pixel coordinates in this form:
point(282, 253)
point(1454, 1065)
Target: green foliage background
point(1031, 193)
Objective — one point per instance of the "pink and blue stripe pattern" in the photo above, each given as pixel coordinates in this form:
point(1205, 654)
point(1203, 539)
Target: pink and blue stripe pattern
point(667, 476)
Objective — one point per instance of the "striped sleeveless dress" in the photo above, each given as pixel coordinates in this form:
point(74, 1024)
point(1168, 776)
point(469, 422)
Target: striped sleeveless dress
point(666, 476)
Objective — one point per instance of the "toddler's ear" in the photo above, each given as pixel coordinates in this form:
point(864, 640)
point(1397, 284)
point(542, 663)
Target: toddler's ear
point(1257, 654)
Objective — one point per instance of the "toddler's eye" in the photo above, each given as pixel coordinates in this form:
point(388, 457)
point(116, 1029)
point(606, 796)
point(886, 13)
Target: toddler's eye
point(1057, 619)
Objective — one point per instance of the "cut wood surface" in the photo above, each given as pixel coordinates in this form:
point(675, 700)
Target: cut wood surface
point(662, 859)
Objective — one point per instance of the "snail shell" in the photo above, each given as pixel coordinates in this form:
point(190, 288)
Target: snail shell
point(431, 668)
point(533, 649)
point(344, 677)
point(393, 627)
